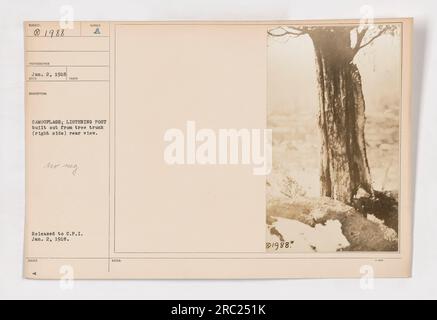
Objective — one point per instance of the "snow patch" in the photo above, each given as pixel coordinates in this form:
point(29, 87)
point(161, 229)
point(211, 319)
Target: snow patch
point(304, 238)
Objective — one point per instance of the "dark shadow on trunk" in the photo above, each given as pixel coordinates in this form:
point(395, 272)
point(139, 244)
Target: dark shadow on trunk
point(344, 165)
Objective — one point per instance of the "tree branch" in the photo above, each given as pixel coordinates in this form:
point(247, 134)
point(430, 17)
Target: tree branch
point(286, 31)
point(360, 37)
point(381, 31)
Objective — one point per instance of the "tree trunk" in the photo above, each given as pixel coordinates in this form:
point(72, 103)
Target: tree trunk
point(344, 165)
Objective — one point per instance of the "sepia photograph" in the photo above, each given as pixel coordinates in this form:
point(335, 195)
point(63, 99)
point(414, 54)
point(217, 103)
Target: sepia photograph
point(334, 106)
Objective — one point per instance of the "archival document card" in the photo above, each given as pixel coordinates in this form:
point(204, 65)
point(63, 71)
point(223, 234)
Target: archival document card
point(257, 149)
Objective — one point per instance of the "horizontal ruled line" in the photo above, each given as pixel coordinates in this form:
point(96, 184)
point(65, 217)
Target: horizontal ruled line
point(67, 80)
point(72, 66)
point(67, 51)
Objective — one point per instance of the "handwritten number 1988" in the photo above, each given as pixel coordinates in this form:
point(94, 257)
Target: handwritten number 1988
point(49, 33)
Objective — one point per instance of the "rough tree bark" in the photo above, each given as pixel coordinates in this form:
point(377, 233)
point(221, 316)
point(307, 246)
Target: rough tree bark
point(344, 164)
